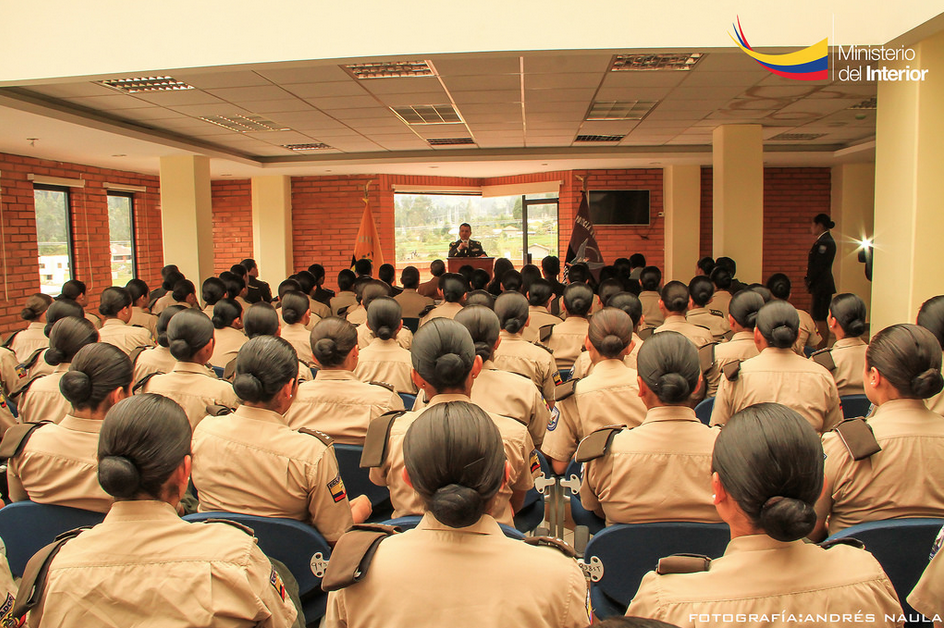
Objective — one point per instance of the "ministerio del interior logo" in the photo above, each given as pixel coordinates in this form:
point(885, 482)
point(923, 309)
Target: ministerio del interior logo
point(809, 64)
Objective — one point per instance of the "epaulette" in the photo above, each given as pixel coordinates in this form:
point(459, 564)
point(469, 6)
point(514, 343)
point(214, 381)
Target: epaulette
point(550, 541)
point(389, 387)
point(545, 347)
point(144, 380)
point(15, 438)
point(135, 353)
point(235, 524)
point(565, 390)
point(717, 313)
point(9, 341)
point(138, 326)
point(31, 360)
point(324, 438)
point(702, 326)
point(31, 588)
point(706, 356)
point(545, 332)
point(732, 370)
point(353, 553)
point(229, 370)
point(426, 310)
point(15, 395)
point(597, 443)
point(857, 436)
point(728, 335)
point(217, 409)
point(824, 357)
point(375, 443)
point(683, 563)
point(848, 540)
point(342, 311)
point(644, 334)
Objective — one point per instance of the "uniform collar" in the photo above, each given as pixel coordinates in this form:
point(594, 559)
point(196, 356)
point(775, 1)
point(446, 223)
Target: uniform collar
point(74, 423)
point(141, 510)
point(510, 337)
point(758, 543)
point(675, 317)
point(788, 352)
point(896, 405)
point(189, 367)
point(112, 322)
point(447, 397)
point(743, 335)
point(62, 368)
point(389, 342)
point(259, 414)
point(489, 365)
point(336, 375)
point(486, 525)
point(538, 308)
point(670, 413)
point(39, 326)
point(820, 236)
point(849, 342)
point(698, 310)
point(611, 366)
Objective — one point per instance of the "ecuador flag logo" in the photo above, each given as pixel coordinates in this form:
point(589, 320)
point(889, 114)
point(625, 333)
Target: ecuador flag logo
point(809, 64)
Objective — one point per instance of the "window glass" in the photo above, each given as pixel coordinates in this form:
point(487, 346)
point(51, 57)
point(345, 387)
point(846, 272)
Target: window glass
point(53, 237)
point(121, 238)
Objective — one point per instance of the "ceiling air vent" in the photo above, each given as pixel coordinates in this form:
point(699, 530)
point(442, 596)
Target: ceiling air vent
point(146, 84)
point(389, 69)
point(871, 103)
point(450, 141)
point(647, 62)
point(306, 147)
point(619, 110)
point(599, 138)
point(244, 124)
point(796, 137)
point(428, 114)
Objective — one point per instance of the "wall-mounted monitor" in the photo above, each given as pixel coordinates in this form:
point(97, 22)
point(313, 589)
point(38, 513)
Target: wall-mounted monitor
point(619, 207)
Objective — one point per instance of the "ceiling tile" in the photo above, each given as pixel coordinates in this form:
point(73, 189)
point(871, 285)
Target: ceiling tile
point(607, 128)
point(477, 118)
point(659, 78)
point(633, 93)
point(218, 109)
point(284, 73)
point(349, 87)
point(707, 93)
point(420, 98)
point(401, 85)
point(510, 127)
point(465, 65)
point(733, 116)
point(279, 106)
point(701, 106)
point(242, 95)
point(176, 99)
point(575, 62)
point(471, 98)
point(149, 113)
point(483, 83)
point(734, 61)
point(73, 90)
point(279, 137)
point(700, 78)
point(109, 103)
point(562, 81)
point(216, 80)
point(343, 102)
point(658, 114)
point(558, 95)
point(579, 107)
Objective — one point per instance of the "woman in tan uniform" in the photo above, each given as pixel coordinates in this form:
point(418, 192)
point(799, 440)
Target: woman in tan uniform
point(228, 335)
point(721, 301)
point(566, 339)
point(157, 359)
point(742, 318)
point(767, 473)
point(35, 366)
point(661, 469)
point(608, 396)
point(261, 319)
point(190, 383)
point(212, 291)
point(140, 316)
point(384, 360)
point(144, 566)
point(456, 568)
point(296, 313)
point(846, 358)
point(452, 289)
point(24, 342)
point(650, 280)
point(540, 294)
point(807, 335)
point(674, 306)
point(365, 333)
point(701, 290)
point(931, 317)
point(629, 303)
point(77, 291)
point(515, 355)
point(56, 464)
point(779, 375)
point(905, 477)
point(42, 399)
point(115, 308)
point(281, 472)
point(336, 402)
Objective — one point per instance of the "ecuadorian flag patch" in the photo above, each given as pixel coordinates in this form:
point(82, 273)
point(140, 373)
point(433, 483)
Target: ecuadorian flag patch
point(336, 486)
point(276, 581)
point(535, 462)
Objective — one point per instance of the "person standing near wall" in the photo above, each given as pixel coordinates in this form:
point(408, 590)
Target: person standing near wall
point(819, 274)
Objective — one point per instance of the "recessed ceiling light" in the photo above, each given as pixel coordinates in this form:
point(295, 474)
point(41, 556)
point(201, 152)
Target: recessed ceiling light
point(434, 167)
point(226, 175)
point(543, 164)
point(120, 155)
point(306, 147)
point(796, 137)
point(146, 84)
point(599, 138)
point(388, 69)
point(649, 62)
point(428, 114)
point(244, 124)
point(450, 141)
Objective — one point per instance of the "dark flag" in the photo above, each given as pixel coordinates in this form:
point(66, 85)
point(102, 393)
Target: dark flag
point(583, 241)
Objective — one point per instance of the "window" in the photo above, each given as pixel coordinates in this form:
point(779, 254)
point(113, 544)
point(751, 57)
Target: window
point(53, 236)
point(121, 237)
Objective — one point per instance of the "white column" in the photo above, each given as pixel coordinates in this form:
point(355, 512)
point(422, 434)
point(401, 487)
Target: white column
point(853, 211)
point(272, 226)
point(187, 215)
point(682, 203)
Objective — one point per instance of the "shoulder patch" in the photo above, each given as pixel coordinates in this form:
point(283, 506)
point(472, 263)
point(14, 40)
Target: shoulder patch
point(596, 444)
point(824, 357)
point(706, 356)
point(375, 443)
point(15, 395)
point(229, 371)
point(31, 360)
point(544, 333)
point(728, 335)
point(717, 313)
point(645, 333)
point(549, 541)
point(732, 370)
point(15, 438)
point(566, 389)
point(426, 310)
point(218, 410)
point(33, 583)
point(135, 353)
point(336, 488)
point(389, 387)
point(342, 311)
point(854, 542)
point(235, 524)
point(857, 436)
point(9, 341)
point(683, 563)
point(324, 438)
point(144, 380)
point(545, 347)
point(353, 553)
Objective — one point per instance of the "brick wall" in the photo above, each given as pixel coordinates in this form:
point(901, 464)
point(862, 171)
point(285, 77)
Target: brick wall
point(20, 263)
point(706, 231)
point(232, 222)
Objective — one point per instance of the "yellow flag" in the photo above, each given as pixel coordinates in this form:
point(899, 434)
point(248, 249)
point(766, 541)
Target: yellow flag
point(368, 240)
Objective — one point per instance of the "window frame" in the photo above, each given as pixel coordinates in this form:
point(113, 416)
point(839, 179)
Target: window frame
point(131, 221)
point(70, 235)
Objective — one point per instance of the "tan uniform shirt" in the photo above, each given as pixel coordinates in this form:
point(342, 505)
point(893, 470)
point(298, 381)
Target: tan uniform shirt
point(412, 303)
point(59, 465)
point(43, 401)
point(608, 396)
point(700, 336)
point(429, 289)
point(652, 315)
point(300, 339)
point(658, 471)
point(781, 376)
point(193, 388)
point(228, 343)
point(519, 450)
point(936, 403)
point(740, 347)
point(95, 320)
point(340, 405)
point(357, 315)
point(28, 341)
point(252, 462)
point(928, 595)
point(7, 585)
point(849, 356)
point(717, 325)
point(125, 337)
point(142, 318)
point(443, 310)
point(567, 341)
point(146, 567)
point(386, 361)
point(515, 355)
point(155, 360)
point(763, 582)
point(165, 302)
point(583, 366)
point(539, 317)
point(434, 576)
point(808, 335)
point(10, 378)
point(318, 310)
point(343, 298)
point(721, 301)
point(365, 336)
point(905, 479)
point(208, 310)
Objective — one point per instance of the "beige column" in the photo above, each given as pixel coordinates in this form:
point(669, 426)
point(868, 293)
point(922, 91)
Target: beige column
point(682, 198)
point(909, 186)
point(738, 203)
point(852, 209)
point(187, 215)
point(272, 227)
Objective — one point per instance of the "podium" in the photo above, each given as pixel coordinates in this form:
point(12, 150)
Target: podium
point(453, 264)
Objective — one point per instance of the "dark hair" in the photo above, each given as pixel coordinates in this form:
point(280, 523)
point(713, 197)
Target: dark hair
point(668, 363)
point(480, 297)
point(73, 289)
point(96, 370)
point(260, 319)
point(728, 264)
point(480, 279)
point(465, 224)
point(823, 219)
point(332, 339)
point(317, 271)
point(306, 281)
point(437, 267)
point(143, 440)
point(60, 309)
point(239, 270)
point(849, 311)
point(578, 299)
point(607, 288)
point(779, 324)
point(675, 297)
point(453, 287)
point(764, 293)
point(483, 326)
point(67, 337)
point(529, 274)
point(700, 289)
point(539, 292)
point(170, 268)
point(629, 303)
point(744, 307)
point(467, 270)
point(721, 278)
point(650, 278)
point(387, 273)
point(631, 285)
point(286, 285)
point(226, 312)
point(608, 272)
point(363, 266)
point(346, 279)
point(294, 306)
point(248, 263)
point(610, 332)
point(909, 357)
point(779, 286)
point(410, 277)
point(263, 366)
point(443, 353)
point(770, 460)
point(511, 308)
point(455, 460)
point(578, 273)
point(164, 320)
point(137, 288)
point(930, 316)
point(171, 278)
point(637, 260)
point(384, 316)
point(511, 281)
point(706, 264)
point(213, 290)
point(374, 289)
point(182, 289)
point(187, 333)
point(551, 265)
point(113, 300)
point(502, 266)
point(234, 284)
point(36, 304)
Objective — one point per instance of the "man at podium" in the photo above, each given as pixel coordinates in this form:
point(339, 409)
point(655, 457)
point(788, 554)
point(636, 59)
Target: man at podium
point(465, 246)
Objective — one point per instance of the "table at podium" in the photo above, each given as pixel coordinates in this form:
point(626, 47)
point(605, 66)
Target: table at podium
point(455, 263)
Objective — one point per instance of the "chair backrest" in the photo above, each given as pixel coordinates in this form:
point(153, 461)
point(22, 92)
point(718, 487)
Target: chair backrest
point(854, 406)
point(26, 527)
point(620, 555)
point(408, 400)
point(580, 515)
point(297, 545)
point(412, 324)
point(219, 371)
point(411, 521)
point(357, 480)
point(703, 410)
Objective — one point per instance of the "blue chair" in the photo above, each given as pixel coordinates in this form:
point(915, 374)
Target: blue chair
point(26, 527)
point(531, 513)
point(566, 374)
point(580, 515)
point(703, 410)
point(357, 480)
point(411, 521)
point(408, 400)
point(299, 546)
point(808, 351)
point(219, 371)
point(412, 324)
point(618, 557)
point(901, 546)
point(855, 406)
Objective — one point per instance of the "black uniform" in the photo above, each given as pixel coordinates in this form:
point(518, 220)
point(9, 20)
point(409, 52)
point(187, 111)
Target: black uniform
point(819, 275)
point(258, 290)
point(473, 250)
point(323, 295)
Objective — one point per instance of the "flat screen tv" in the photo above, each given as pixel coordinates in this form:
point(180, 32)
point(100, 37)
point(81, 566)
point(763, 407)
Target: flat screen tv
point(619, 207)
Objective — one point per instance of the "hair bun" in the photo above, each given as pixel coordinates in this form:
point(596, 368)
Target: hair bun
point(326, 347)
point(786, 518)
point(218, 322)
point(783, 335)
point(927, 384)
point(76, 386)
point(673, 387)
point(451, 368)
point(180, 348)
point(456, 505)
point(118, 476)
point(384, 332)
point(248, 387)
point(512, 326)
point(54, 357)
